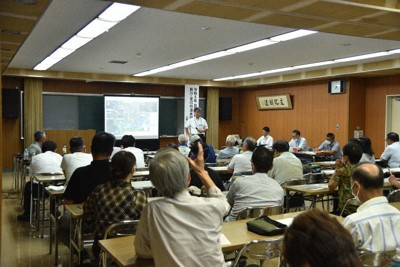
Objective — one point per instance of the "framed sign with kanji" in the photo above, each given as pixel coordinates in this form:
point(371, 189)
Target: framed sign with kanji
point(274, 102)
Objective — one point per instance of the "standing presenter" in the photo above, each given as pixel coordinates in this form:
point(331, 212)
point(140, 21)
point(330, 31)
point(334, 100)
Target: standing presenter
point(197, 125)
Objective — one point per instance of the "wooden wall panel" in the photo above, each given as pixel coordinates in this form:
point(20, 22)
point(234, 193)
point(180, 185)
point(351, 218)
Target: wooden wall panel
point(314, 113)
point(376, 90)
point(356, 88)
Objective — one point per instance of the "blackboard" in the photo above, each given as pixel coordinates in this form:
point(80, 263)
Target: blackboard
point(82, 112)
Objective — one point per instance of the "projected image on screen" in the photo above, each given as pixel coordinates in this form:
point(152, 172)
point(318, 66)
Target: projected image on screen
point(134, 115)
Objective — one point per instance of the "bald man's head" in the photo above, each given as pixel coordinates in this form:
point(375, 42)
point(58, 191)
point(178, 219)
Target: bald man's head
point(369, 175)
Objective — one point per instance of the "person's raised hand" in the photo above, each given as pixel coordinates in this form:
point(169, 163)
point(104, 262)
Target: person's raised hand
point(197, 164)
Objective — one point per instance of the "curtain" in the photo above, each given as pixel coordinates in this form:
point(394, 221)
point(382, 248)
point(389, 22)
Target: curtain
point(212, 116)
point(33, 108)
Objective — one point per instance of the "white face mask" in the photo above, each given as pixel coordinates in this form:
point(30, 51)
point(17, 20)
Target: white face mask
point(328, 142)
point(355, 195)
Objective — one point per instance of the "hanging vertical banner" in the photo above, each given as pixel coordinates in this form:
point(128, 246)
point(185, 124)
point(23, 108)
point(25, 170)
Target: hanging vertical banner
point(191, 100)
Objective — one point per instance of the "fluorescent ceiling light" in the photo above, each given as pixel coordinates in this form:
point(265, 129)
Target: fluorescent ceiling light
point(304, 66)
point(95, 28)
point(396, 51)
point(250, 46)
point(75, 42)
point(212, 56)
point(322, 63)
point(276, 70)
point(61, 53)
point(239, 49)
point(47, 63)
point(117, 12)
point(292, 35)
point(372, 55)
point(106, 20)
point(183, 63)
point(165, 68)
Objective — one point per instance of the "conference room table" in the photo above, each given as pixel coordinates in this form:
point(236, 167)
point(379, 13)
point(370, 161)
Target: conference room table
point(54, 192)
point(42, 180)
point(234, 236)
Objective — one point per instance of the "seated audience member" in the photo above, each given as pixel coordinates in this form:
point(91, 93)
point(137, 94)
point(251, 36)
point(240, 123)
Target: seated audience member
point(341, 177)
point(87, 178)
point(330, 148)
point(257, 190)
point(196, 181)
point(391, 155)
point(315, 239)
point(46, 162)
point(128, 144)
point(115, 200)
point(36, 147)
point(181, 230)
point(77, 158)
point(183, 145)
point(298, 143)
point(241, 163)
point(230, 150)
point(286, 166)
point(374, 227)
point(265, 140)
point(193, 147)
point(368, 154)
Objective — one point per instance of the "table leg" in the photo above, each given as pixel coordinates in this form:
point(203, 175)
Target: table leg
point(41, 185)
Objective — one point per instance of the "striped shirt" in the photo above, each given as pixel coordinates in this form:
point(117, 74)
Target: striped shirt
point(375, 226)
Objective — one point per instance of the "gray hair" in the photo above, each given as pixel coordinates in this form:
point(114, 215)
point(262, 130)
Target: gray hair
point(251, 143)
point(169, 172)
point(182, 139)
point(230, 140)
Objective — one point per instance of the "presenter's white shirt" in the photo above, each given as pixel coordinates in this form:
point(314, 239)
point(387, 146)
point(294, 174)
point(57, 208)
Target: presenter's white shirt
point(71, 162)
point(48, 162)
point(196, 123)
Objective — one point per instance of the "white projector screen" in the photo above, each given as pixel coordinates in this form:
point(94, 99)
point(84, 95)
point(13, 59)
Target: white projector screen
point(132, 115)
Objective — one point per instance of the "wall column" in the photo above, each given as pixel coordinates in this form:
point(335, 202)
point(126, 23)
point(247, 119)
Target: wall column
point(33, 108)
point(213, 116)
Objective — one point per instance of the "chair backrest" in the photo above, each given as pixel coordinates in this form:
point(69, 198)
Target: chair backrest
point(368, 258)
point(394, 196)
point(351, 201)
point(260, 250)
point(273, 210)
point(122, 228)
point(250, 212)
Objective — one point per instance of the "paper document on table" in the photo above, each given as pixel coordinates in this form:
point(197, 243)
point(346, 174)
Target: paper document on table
point(224, 240)
point(314, 186)
point(287, 221)
point(56, 187)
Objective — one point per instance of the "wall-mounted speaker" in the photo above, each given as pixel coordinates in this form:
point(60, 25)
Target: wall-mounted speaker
point(10, 103)
point(225, 108)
